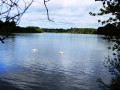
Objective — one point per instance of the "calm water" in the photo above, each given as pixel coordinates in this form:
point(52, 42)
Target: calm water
point(77, 69)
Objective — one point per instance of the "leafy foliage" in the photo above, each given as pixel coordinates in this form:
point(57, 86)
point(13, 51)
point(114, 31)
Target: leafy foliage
point(110, 7)
point(108, 29)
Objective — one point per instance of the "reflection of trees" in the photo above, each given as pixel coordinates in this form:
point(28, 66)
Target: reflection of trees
point(112, 62)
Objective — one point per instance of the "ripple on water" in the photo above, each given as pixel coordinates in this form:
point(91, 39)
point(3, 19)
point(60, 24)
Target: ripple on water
point(77, 69)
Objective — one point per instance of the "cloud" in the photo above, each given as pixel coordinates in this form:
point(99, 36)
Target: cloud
point(65, 13)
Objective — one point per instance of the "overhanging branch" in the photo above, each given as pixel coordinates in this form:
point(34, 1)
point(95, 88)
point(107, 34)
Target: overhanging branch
point(47, 10)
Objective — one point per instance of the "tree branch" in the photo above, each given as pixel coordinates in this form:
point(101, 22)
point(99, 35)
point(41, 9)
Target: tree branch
point(47, 10)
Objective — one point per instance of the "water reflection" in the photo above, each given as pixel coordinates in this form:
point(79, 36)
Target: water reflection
point(112, 62)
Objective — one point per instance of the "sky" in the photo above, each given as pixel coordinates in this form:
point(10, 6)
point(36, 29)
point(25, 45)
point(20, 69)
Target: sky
point(64, 13)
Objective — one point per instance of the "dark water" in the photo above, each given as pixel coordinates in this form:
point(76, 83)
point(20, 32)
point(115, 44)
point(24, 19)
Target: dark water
point(76, 69)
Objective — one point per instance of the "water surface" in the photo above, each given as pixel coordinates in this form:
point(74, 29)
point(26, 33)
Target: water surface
point(77, 69)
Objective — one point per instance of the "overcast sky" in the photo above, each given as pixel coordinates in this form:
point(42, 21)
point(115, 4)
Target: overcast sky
point(64, 13)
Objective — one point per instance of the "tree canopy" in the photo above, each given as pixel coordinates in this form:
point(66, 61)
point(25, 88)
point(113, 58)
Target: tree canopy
point(111, 7)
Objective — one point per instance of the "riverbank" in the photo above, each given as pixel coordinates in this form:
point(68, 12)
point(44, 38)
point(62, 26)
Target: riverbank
point(72, 30)
point(29, 29)
point(11, 27)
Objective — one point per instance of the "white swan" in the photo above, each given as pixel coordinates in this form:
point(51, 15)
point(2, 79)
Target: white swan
point(35, 50)
point(60, 52)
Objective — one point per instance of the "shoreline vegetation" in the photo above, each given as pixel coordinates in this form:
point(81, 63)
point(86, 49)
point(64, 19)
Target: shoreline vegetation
point(105, 30)
point(33, 29)
point(29, 29)
point(10, 27)
point(108, 30)
point(72, 30)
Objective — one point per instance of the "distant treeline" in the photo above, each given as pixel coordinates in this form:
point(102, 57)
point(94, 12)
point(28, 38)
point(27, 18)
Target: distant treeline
point(73, 30)
point(10, 27)
point(29, 29)
point(108, 29)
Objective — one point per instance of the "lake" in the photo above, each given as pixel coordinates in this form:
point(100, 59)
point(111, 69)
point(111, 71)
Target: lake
point(78, 68)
